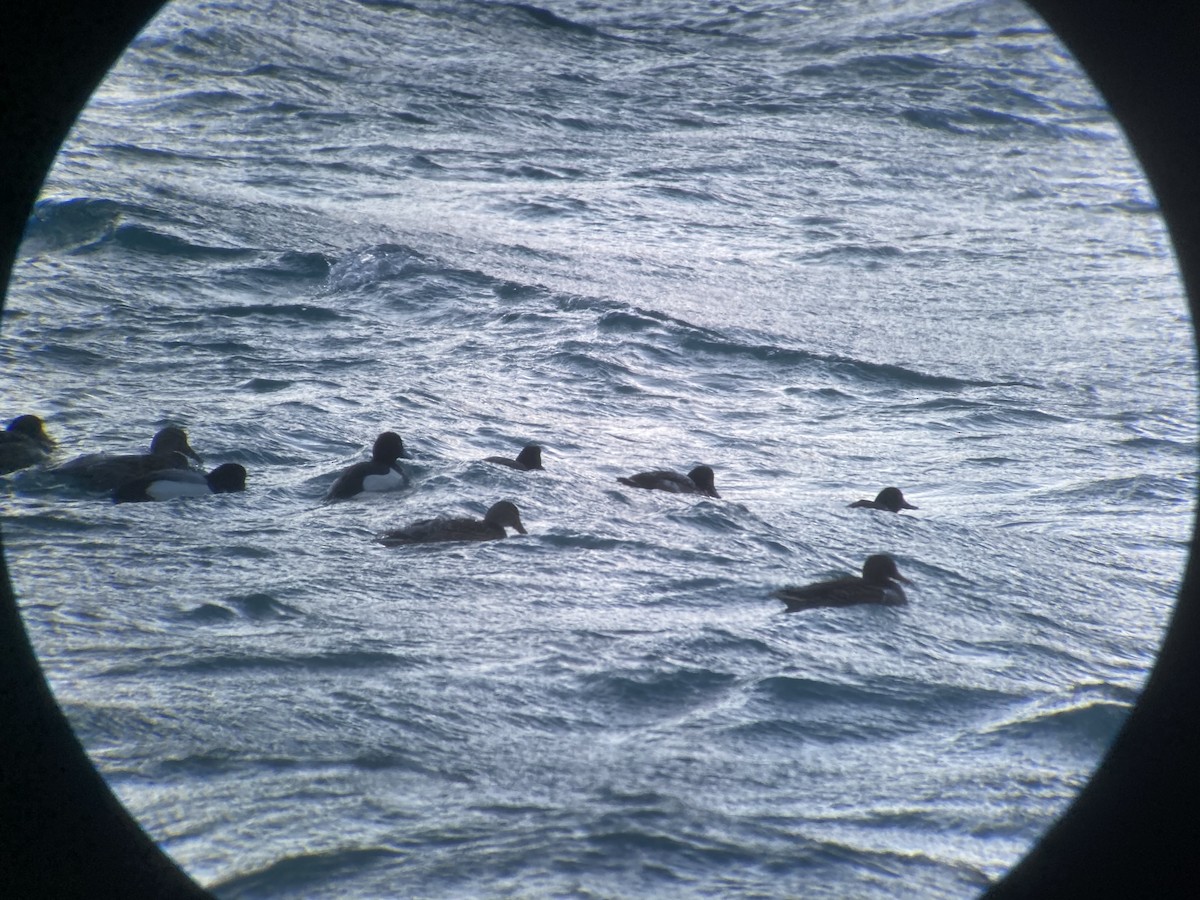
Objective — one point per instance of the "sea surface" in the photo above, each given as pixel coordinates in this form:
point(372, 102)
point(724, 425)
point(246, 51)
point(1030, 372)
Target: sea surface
point(822, 248)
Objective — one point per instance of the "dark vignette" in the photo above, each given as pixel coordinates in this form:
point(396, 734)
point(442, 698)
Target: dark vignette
point(1133, 831)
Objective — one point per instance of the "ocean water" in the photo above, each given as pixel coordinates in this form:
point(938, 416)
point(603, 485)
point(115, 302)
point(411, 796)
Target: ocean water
point(822, 248)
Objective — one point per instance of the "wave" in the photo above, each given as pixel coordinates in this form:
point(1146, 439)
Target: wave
point(687, 195)
point(544, 18)
point(542, 172)
point(880, 66)
point(137, 153)
point(235, 662)
point(647, 695)
point(144, 239)
point(1185, 449)
point(995, 124)
point(380, 264)
point(266, 385)
point(1093, 723)
point(1137, 206)
point(115, 723)
point(676, 338)
point(72, 219)
point(839, 366)
point(388, 4)
point(1113, 492)
point(68, 223)
point(298, 312)
point(212, 99)
point(871, 254)
point(304, 871)
point(551, 25)
point(792, 689)
point(993, 416)
point(290, 265)
point(248, 606)
point(210, 613)
point(581, 358)
point(904, 696)
point(88, 224)
point(548, 208)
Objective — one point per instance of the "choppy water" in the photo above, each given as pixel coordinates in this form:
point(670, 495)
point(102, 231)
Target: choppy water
point(820, 249)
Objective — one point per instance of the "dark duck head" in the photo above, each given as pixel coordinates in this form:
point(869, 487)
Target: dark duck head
point(23, 443)
point(30, 428)
point(388, 448)
point(172, 439)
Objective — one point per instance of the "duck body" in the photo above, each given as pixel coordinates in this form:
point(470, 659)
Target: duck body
point(890, 498)
point(171, 483)
point(23, 443)
point(108, 471)
point(698, 481)
point(529, 458)
point(380, 473)
point(878, 585)
point(490, 528)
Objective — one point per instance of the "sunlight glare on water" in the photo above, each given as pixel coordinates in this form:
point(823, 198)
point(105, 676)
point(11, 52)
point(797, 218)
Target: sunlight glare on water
point(821, 250)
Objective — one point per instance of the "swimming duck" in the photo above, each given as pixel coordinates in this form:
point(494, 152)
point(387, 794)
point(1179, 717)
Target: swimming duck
point(170, 483)
point(889, 498)
point(23, 443)
point(529, 458)
point(108, 471)
point(380, 473)
point(877, 585)
point(698, 481)
point(501, 515)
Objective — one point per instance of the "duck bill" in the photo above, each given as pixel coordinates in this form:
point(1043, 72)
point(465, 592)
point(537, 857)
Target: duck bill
point(906, 505)
point(520, 528)
point(896, 576)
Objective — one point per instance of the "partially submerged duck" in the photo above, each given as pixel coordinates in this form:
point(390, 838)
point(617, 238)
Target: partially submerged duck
point(529, 458)
point(381, 472)
point(890, 498)
point(878, 585)
point(171, 483)
point(24, 443)
point(698, 481)
point(500, 516)
point(108, 471)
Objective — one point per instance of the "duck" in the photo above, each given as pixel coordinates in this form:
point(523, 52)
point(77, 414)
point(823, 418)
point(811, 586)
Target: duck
point(530, 457)
point(492, 527)
point(878, 585)
point(890, 498)
point(167, 484)
point(24, 443)
point(379, 473)
point(698, 481)
point(108, 471)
